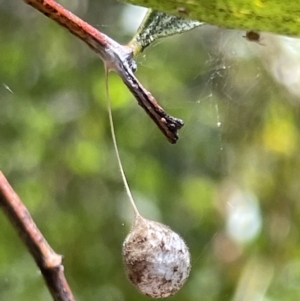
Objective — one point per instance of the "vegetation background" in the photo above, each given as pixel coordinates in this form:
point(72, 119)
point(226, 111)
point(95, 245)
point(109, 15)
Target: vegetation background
point(230, 186)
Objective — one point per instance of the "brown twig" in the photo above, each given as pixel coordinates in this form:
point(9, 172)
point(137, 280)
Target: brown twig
point(116, 57)
point(48, 261)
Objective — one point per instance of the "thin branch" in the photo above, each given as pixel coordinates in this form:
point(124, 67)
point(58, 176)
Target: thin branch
point(116, 57)
point(48, 261)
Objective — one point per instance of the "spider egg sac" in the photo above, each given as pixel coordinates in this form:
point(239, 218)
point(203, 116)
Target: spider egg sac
point(156, 259)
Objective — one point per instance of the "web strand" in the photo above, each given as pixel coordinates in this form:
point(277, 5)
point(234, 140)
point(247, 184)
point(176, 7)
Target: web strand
point(128, 192)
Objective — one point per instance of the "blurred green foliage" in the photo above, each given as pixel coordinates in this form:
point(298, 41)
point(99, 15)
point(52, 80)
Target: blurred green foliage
point(239, 149)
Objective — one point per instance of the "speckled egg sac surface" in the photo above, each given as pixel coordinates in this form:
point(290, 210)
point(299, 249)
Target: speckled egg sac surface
point(156, 259)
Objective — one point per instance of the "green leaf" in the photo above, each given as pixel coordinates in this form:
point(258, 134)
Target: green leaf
point(274, 16)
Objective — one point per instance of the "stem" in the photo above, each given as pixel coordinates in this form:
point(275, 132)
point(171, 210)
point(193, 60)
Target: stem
point(116, 57)
point(46, 259)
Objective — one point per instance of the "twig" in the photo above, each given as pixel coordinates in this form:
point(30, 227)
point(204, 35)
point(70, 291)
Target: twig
point(48, 261)
point(116, 57)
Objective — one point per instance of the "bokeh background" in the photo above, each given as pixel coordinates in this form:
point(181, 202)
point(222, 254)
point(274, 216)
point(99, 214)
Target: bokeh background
point(230, 186)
